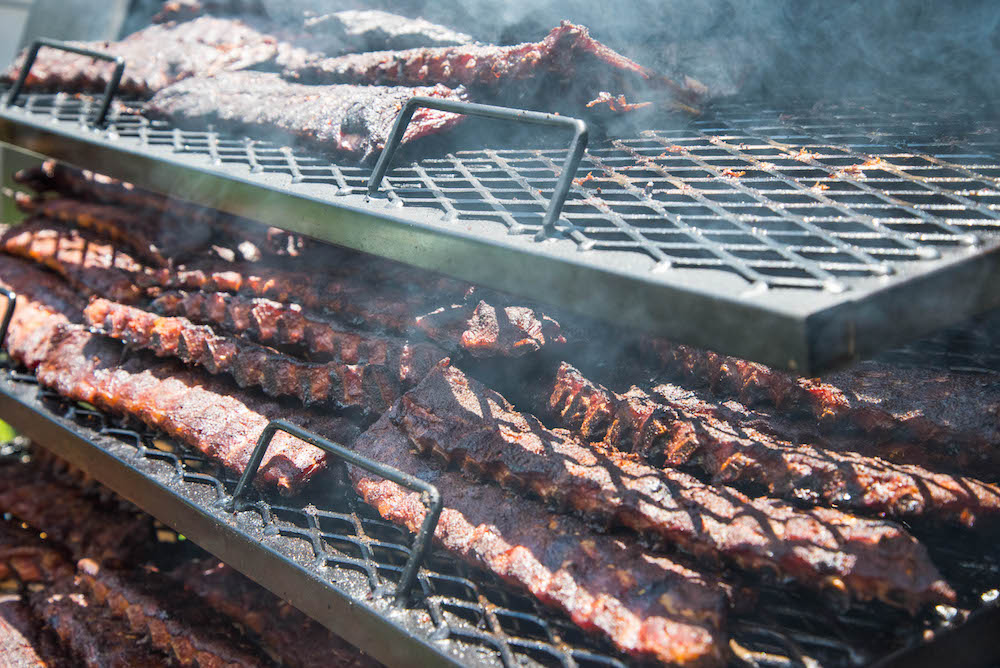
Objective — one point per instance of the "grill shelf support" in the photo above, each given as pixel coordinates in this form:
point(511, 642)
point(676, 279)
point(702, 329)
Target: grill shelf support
point(576, 148)
point(428, 493)
point(109, 90)
point(8, 313)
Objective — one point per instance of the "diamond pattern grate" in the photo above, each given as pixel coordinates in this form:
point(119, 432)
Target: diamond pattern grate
point(808, 199)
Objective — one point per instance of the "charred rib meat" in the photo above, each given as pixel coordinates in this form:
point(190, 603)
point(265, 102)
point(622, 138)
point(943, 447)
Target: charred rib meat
point(153, 605)
point(363, 30)
point(297, 639)
point(567, 54)
point(24, 642)
point(157, 56)
point(674, 427)
point(460, 420)
point(274, 323)
point(94, 637)
point(485, 330)
point(206, 414)
point(81, 257)
point(953, 416)
point(350, 120)
point(646, 604)
point(194, 221)
point(150, 239)
point(63, 513)
point(482, 328)
point(26, 558)
point(370, 387)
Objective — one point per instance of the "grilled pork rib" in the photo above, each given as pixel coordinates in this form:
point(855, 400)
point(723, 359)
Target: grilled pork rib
point(349, 120)
point(274, 323)
point(646, 604)
point(567, 54)
point(481, 328)
point(82, 257)
point(68, 518)
point(147, 237)
point(28, 559)
point(672, 426)
point(297, 639)
point(371, 387)
point(24, 642)
point(458, 419)
point(156, 57)
point(186, 223)
point(204, 413)
point(176, 622)
point(90, 632)
point(952, 418)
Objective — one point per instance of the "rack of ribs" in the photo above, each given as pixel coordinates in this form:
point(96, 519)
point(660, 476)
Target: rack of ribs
point(82, 257)
point(646, 604)
point(28, 559)
point(480, 328)
point(344, 119)
point(458, 419)
point(207, 414)
point(567, 54)
point(297, 639)
point(150, 239)
point(89, 632)
point(70, 519)
point(673, 427)
point(155, 57)
point(88, 187)
point(955, 415)
point(273, 323)
point(24, 641)
point(177, 622)
point(370, 387)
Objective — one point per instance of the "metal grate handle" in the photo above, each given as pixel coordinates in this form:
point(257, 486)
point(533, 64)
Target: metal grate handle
point(428, 492)
point(109, 90)
point(576, 147)
point(8, 313)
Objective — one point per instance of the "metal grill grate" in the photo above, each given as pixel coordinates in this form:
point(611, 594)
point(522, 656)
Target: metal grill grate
point(809, 218)
point(803, 199)
point(475, 618)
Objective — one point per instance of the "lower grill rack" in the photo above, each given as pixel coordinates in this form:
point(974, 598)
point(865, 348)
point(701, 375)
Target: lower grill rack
point(334, 558)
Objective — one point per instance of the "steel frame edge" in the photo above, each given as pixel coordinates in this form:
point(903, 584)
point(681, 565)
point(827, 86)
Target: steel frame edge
point(359, 626)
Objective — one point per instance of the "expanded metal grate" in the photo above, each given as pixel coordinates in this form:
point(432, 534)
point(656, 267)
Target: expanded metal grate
point(330, 531)
point(805, 198)
point(811, 220)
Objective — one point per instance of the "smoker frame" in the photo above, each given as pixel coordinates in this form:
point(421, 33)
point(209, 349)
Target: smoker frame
point(802, 330)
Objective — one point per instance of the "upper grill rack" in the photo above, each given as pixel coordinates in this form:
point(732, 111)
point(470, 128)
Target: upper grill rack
point(792, 222)
point(769, 202)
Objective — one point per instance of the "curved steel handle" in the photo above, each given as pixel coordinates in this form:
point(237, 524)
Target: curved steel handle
point(429, 493)
point(7, 314)
point(576, 147)
point(109, 90)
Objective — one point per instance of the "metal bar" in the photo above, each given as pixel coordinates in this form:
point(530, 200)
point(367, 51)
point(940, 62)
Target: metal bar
point(576, 148)
point(428, 493)
point(109, 90)
point(693, 302)
point(8, 313)
point(400, 639)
